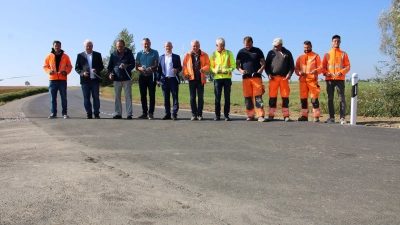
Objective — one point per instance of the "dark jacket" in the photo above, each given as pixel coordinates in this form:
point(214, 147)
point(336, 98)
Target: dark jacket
point(176, 63)
point(279, 64)
point(82, 66)
point(115, 61)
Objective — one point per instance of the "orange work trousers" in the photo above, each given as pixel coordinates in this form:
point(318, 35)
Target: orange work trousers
point(279, 83)
point(253, 89)
point(309, 84)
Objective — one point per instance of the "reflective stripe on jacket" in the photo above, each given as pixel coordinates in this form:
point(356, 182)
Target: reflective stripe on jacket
point(188, 66)
point(50, 64)
point(307, 63)
point(223, 61)
point(335, 61)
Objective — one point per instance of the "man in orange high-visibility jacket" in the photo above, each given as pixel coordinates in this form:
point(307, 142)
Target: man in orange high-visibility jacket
point(250, 62)
point(58, 65)
point(308, 66)
point(279, 67)
point(195, 66)
point(335, 66)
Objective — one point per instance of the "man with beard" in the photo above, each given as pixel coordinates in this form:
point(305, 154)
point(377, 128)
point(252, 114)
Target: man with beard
point(308, 66)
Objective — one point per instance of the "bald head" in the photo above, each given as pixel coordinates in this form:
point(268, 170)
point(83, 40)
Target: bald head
point(168, 47)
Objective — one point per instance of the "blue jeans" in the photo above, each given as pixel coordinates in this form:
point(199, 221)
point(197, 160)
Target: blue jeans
point(54, 87)
point(226, 84)
point(171, 86)
point(195, 86)
point(147, 82)
point(92, 88)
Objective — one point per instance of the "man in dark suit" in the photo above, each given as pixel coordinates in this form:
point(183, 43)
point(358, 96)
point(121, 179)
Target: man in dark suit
point(89, 64)
point(169, 67)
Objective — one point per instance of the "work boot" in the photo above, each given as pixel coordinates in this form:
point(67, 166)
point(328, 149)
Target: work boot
point(250, 118)
point(270, 118)
point(330, 120)
point(303, 118)
point(286, 119)
point(316, 119)
point(262, 119)
point(117, 117)
point(151, 116)
point(52, 116)
point(96, 116)
point(343, 121)
point(129, 117)
point(143, 116)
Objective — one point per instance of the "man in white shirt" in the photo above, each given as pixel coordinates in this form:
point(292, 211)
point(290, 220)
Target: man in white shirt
point(169, 67)
point(89, 64)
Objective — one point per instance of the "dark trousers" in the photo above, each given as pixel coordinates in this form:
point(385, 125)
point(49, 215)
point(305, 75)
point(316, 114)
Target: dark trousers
point(218, 85)
point(195, 86)
point(147, 82)
point(171, 86)
point(54, 87)
point(330, 89)
point(91, 89)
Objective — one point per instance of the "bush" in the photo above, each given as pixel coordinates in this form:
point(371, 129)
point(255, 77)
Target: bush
point(22, 94)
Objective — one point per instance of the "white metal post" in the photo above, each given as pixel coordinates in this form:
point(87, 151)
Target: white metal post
point(354, 91)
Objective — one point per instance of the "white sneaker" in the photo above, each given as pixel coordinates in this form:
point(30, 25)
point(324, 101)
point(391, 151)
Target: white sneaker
point(286, 119)
point(262, 119)
point(330, 120)
point(343, 121)
point(65, 116)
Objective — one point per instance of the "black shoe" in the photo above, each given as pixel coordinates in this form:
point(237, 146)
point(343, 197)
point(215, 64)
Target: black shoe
point(143, 116)
point(117, 117)
point(52, 116)
point(217, 118)
point(89, 116)
point(96, 116)
point(166, 117)
point(175, 118)
point(227, 118)
point(129, 117)
point(302, 118)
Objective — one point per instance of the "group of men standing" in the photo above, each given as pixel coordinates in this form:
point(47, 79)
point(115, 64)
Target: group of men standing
point(164, 71)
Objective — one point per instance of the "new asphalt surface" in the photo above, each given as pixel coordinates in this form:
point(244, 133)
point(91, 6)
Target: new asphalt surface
point(107, 171)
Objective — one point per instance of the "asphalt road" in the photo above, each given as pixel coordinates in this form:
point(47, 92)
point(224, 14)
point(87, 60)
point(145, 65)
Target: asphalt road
point(79, 171)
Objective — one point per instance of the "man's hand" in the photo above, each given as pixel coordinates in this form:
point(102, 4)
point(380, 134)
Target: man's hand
point(314, 72)
point(219, 71)
point(270, 77)
point(301, 73)
point(122, 66)
point(202, 71)
point(86, 74)
point(111, 76)
point(244, 72)
point(260, 71)
point(94, 70)
point(158, 84)
point(186, 76)
point(63, 73)
point(174, 70)
point(51, 72)
point(338, 74)
point(328, 74)
point(287, 77)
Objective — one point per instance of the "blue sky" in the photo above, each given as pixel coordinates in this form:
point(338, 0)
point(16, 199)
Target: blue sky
point(28, 29)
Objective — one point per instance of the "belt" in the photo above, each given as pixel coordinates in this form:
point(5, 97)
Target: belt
point(146, 74)
point(251, 75)
point(169, 77)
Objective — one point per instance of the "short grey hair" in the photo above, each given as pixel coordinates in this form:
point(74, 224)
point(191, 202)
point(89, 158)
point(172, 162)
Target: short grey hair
point(195, 41)
point(87, 41)
point(220, 41)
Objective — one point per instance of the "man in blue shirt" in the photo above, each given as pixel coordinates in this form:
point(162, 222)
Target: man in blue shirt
point(146, 63)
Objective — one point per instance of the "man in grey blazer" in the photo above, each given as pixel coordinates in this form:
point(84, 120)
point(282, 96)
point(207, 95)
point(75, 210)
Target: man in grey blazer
point(89, 64)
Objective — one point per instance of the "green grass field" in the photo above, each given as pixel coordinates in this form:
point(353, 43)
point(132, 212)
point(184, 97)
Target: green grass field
point(237, 94)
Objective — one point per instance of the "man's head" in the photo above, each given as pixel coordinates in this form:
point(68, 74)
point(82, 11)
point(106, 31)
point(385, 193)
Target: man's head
point(220, 43)
point(120, 45)
point(277, 43)
point(88, 44)
point(336, 41)
point(146, 44)
point(248, 42)
point(195, 46)
point(307, 47)
point(57, 46)
point(168, 47)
